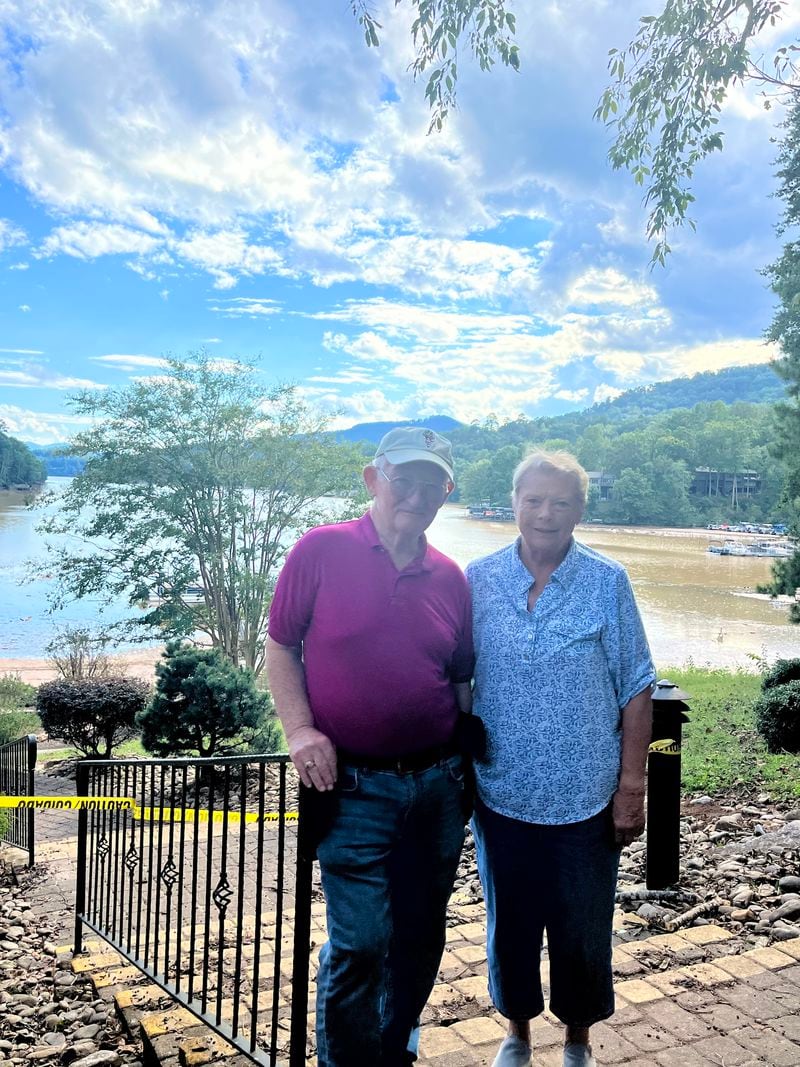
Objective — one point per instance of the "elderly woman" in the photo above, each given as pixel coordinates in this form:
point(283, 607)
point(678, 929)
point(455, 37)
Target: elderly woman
point(562, 683)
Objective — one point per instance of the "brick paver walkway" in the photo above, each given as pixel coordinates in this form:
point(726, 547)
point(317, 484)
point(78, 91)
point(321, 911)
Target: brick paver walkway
point(728, 1010)
point(688, 999)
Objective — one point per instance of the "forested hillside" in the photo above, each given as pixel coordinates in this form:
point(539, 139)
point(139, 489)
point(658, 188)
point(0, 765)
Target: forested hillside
point(649, 442)
point(57, 464)
point(652, 460)
point(757, 384)
point(18, 465)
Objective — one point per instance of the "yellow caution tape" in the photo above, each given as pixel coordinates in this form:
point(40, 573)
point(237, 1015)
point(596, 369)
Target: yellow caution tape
point(126, 804)
point(665, 747)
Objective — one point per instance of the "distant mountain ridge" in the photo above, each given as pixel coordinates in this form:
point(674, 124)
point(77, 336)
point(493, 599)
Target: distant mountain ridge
point(754, 384)
point(374, 431)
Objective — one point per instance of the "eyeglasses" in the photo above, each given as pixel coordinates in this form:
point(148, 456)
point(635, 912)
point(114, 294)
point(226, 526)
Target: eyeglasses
point(431, 492)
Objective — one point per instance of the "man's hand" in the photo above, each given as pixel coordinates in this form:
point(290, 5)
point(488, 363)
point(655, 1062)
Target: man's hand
point(628, 812)
point(314, 756)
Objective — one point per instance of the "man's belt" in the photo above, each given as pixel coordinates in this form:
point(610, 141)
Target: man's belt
point(408, 764)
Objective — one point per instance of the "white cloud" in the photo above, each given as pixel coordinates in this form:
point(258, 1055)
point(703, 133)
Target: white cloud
point(712, 356)
point(129, 362)
point(41, 428)
point(484, 261)
point(10, 235)
point(41, 378)
point(237, 306)
point(573, 396)
point(609, 286)
point(23, 351)
point(25, 308)
point(223, 251)
point(88, 240)
point(605, 392)
point(19, 266)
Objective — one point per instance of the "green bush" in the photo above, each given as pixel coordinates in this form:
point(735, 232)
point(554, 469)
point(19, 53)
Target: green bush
point(777, 713)
point(14, 693)
point(92, 714)
point(17, 724)
point(782, 671)
point(202, 703)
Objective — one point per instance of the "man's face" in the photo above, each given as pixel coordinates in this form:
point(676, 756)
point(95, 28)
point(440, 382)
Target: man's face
point(407, 496)
point(547, 507)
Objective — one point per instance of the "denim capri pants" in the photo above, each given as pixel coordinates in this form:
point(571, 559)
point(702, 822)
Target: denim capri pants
point(558, 879)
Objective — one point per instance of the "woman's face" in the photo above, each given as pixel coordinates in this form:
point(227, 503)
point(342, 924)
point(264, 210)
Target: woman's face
point(547, 507)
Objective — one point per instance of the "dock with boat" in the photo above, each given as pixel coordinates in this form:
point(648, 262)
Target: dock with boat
point(763, 548)
point(492, 512)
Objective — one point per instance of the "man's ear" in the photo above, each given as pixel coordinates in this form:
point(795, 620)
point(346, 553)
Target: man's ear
point(370, 475)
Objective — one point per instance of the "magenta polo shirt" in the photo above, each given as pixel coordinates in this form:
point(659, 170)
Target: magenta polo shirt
point(381, 647)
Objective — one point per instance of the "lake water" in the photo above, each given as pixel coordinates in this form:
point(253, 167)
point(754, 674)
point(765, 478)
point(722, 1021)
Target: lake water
point(695, 605)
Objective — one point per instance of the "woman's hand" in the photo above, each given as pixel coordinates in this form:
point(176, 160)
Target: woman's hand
point(628, 813)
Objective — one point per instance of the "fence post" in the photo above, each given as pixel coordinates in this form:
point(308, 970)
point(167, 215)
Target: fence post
point(664, 786)
point(302, 936)
point(82, 790)
point(31, 812)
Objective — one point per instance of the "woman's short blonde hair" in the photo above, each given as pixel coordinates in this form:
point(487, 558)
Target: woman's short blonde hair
point(553, 463)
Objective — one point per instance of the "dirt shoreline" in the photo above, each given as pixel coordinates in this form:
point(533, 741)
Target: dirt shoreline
point(136, 663)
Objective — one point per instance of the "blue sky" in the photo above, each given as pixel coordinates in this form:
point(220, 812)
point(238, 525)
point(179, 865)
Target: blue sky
point(250, 179)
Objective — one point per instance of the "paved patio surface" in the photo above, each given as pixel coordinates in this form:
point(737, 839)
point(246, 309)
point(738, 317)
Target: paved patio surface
point(689, 999)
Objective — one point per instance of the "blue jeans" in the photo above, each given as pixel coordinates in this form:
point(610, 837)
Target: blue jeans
point(388, 865)
point(560, 879)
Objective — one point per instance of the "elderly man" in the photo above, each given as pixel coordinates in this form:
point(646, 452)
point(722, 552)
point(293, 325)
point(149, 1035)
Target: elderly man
point(369, 660)
point(562, 682)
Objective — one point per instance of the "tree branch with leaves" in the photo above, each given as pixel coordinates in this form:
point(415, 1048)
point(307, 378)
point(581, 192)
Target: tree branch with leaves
point(668, 88)
point(438, 30)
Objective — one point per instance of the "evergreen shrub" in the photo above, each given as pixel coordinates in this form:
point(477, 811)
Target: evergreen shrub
point(777, 713)
point(202, 704)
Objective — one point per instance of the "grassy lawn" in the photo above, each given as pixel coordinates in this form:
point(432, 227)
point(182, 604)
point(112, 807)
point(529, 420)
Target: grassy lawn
point(127, 748)
point(721, 749)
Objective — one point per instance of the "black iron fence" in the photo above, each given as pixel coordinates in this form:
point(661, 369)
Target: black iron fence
point(196, 871)
point(17, 764)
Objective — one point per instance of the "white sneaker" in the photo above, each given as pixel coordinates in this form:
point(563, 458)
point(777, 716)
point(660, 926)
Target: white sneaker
point(514, 1052)
point(576, 1055)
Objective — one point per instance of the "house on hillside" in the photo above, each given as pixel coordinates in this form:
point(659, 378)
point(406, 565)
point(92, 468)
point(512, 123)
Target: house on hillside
point(730, 484)
point(602, 482)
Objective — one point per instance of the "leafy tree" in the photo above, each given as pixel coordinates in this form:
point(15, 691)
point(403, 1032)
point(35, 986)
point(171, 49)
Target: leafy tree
point(489, 478)
point(631, 501)
point(202, 703)
point(77, 652)
point(784, 275)
point(93, 715)
point(668, 89)
point(14, 693)
point(438, 28)
point(18, 465)
point(594, 447)
point(194, 486)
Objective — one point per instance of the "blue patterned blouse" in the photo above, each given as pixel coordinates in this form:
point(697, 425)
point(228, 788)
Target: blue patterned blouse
point(550, 683)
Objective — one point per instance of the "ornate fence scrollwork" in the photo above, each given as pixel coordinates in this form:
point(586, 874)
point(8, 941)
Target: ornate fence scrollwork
point(200, 883)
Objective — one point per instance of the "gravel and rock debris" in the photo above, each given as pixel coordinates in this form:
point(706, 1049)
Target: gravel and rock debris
point(48, 1014)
